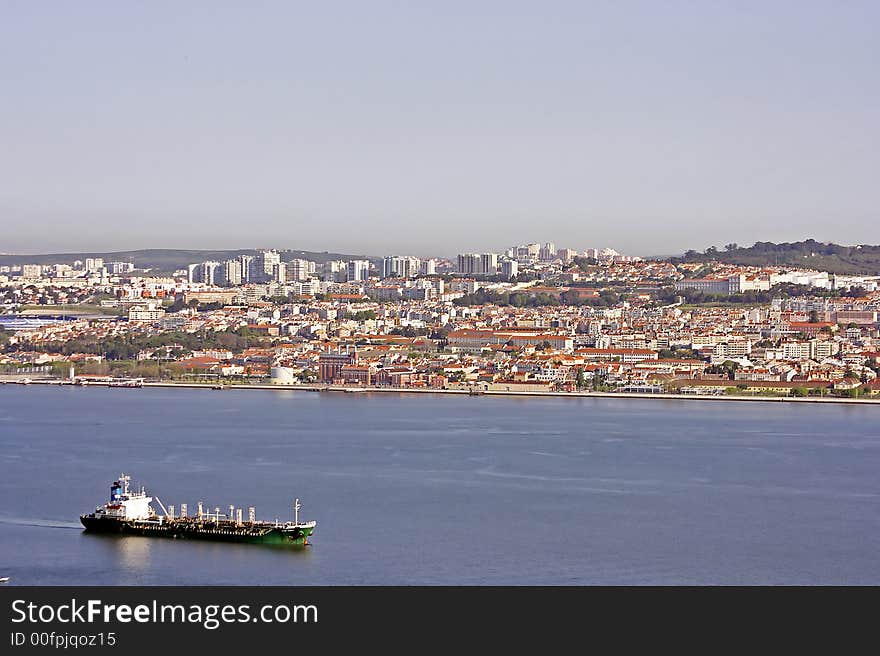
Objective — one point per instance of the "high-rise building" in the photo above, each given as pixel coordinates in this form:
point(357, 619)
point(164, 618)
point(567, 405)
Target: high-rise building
point(526, 252)
point(400, 266)
point(478, 264)
point(509, 268)
point(94, 263)
point(279, 272)
point(468, 263)
point(229, 273)
point(358, 270)
point(262, 267)
point(208, 271)
point(489, 264)
point(547, 252)
point(335, 270)
point(299, 270)
point(244, 261)
point(429, 267)
point(566, 254)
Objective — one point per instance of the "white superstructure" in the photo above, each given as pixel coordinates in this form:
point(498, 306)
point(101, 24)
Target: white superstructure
point(125, 503)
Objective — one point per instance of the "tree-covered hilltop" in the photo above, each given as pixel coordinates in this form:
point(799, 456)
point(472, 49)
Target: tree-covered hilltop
point(808, 254)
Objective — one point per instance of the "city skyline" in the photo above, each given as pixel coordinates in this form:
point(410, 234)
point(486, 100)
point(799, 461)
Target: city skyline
point(384, 251)
point(652, 129)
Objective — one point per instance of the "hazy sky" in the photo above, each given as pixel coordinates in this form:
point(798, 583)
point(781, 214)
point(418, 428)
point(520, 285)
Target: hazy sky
point(436, 127)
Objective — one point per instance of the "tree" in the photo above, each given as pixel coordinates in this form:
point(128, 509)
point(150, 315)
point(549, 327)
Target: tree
point(409, 331)
point(814, 316)
point(583, 263)
point(728, 368)
point(362, 315)
point(731, 247)
point(580, 379)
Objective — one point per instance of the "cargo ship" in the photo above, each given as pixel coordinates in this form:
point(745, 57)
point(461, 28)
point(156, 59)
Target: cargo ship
point(129, 512)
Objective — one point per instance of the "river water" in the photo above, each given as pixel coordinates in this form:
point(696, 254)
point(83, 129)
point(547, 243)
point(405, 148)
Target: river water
point(444, 489)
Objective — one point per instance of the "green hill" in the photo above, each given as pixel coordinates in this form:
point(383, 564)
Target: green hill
point(808, 254)
point(166, 260)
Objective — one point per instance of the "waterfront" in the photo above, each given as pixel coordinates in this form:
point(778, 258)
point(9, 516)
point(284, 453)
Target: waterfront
point(446, 489)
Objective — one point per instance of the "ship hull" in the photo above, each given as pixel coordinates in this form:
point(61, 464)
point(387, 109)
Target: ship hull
point(195, 530)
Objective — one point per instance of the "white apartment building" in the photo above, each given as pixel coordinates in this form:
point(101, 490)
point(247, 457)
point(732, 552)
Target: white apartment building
point(230, 273)
point(262, 267)
point(547, 252)
point(118, 268)
point(509, 268)
point(335, 270)
point(489, 263)
point(145, 313)
point(245, 262)
point(734, 348)
point(31, 271)
point(796, 351)
point(400, 266)
point(299, 270)
point(478, 263)
point(204, 272)
point(358, 270)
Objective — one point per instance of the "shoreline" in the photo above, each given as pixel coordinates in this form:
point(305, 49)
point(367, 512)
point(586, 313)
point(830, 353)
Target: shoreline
point(461, 392)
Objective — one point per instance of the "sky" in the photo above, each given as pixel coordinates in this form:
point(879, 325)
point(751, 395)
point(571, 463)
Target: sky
point(432, 128)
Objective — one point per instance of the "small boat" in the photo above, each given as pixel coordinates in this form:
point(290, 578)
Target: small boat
point(4, 579)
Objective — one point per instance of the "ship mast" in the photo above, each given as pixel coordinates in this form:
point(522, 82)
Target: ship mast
point(296, 507)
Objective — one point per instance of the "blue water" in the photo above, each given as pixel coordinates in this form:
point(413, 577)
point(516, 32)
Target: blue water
point(418, 489)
